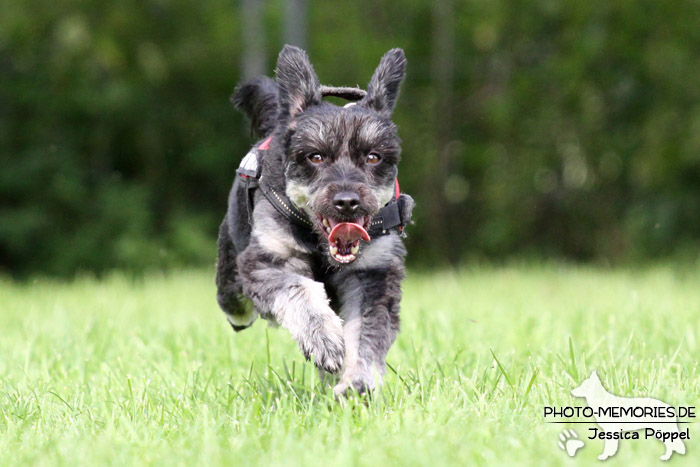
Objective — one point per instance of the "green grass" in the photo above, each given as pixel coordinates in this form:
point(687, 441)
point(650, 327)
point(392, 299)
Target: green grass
point(146, 371)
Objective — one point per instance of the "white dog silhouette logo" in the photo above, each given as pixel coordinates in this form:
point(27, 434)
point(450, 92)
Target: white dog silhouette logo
point(607, 409)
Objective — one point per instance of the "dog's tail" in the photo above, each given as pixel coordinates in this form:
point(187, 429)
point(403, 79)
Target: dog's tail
point(258, 99)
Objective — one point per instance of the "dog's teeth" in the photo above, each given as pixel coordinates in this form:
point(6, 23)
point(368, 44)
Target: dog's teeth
point(333, 249)
point(354, 249)
point(326, 224)
point(328, 229)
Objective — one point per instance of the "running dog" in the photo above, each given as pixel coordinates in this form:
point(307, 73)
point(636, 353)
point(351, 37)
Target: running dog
point(312, 238)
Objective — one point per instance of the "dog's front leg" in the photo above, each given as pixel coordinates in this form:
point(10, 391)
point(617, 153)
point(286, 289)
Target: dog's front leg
point(296, 302)
point(371, 313)
point(609, 449)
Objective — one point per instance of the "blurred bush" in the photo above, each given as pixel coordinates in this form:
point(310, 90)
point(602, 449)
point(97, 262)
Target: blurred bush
point(563, 129)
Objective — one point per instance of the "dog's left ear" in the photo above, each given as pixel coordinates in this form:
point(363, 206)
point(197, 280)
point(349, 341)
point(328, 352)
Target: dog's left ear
point(298, 84)
point(383, 88)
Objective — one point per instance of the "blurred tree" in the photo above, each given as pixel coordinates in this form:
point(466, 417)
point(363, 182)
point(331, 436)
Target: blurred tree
point(295, 23)
point(253, 34)
point(442, 75)
point(565, 129)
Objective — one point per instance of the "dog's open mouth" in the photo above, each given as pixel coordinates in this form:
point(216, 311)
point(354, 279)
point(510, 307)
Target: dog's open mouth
point(344, 237)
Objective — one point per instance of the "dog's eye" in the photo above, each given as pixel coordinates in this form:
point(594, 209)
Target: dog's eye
point(315, 158)
point(373, 159)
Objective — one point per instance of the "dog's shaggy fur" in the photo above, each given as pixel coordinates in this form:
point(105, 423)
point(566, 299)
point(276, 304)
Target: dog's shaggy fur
point(338, 165)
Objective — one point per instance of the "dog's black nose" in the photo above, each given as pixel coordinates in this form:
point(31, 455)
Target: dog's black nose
point(346, 202)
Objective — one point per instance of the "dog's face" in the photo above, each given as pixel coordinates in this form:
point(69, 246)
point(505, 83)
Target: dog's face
point(340, 162)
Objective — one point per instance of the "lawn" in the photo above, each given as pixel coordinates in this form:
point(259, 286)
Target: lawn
point(126, 371)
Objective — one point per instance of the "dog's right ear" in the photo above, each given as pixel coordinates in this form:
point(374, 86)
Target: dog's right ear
point(298, 84)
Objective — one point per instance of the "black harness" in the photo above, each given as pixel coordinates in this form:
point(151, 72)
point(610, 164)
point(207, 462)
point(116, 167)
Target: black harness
point(393, 216)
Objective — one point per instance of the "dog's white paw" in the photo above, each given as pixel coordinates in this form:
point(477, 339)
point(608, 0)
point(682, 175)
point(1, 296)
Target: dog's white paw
point(362, 379)
point(341, 389)
point(345, 388)
point(325, 343)
point(569, 442)
point(243, 320)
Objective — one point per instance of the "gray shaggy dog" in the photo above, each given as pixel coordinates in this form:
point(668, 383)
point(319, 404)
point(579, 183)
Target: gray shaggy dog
point(312, 235)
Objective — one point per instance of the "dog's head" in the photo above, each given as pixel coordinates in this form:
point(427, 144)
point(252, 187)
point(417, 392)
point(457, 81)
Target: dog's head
point(340, 162)
point(588, 386)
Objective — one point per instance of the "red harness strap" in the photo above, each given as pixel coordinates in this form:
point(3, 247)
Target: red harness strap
point(265, 144)
point(397, 192)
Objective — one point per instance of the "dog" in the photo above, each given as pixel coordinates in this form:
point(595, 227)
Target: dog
point(612, 430)
point(312, 238)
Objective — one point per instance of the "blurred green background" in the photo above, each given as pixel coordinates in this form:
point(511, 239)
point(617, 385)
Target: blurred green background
point(536, 128)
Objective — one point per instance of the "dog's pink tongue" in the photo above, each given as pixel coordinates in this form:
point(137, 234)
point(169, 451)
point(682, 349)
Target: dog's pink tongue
point(348, 231)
